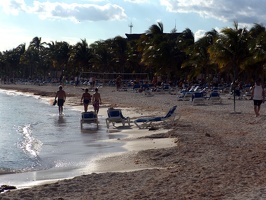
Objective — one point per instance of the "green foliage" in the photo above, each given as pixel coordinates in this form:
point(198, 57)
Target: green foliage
point(232, 51)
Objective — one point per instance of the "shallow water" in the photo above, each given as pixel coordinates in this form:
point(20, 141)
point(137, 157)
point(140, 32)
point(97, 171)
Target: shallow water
point(36, 140)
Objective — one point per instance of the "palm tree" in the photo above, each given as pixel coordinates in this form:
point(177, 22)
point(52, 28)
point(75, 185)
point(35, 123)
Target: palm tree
point(164, 53)
point(10, 60)
point(198, 58)
point(81, 55)
point(119, 53)
point(45, 66)
point(31, 57)
point(155, 29)
point(59, 53)
point(20, 50)
point(257, 46)
point(133, 58)
point(102, 56)
point(230, 51)
point(36, 43)
point(150, 45)
point(185, 39)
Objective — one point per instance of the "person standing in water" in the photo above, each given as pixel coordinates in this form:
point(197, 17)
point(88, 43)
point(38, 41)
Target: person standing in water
point(61, 98)
point(96, 99)
point(86, 99)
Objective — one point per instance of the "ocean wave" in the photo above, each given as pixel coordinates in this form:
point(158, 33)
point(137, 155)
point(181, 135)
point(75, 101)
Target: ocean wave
point(17, 93)
point(30, 145)
point(7, 171)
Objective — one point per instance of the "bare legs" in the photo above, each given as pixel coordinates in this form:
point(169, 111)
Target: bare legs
point(60, 109)
point(96, 110)
point(257, 110)
point(86, 107)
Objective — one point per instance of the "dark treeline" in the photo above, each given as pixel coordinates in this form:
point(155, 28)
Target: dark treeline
point(231, 53)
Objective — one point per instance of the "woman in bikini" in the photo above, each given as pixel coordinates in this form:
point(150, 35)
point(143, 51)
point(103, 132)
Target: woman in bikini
point(86, 99)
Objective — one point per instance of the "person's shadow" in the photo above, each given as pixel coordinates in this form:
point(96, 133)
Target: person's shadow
point(61, 120)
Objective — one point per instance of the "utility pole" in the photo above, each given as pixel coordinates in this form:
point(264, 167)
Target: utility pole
point(131, 26)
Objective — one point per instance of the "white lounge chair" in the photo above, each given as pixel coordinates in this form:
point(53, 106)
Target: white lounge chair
point(116, 116)
point(88, 118)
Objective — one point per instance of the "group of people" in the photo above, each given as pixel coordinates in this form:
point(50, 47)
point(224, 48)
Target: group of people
point(258, 96)
point(86, 99)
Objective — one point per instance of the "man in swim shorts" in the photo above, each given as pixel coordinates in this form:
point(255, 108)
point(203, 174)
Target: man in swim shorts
point(61, 98)
point(86, 99)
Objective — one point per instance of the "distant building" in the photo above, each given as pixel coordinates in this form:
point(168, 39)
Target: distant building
point(131, 37)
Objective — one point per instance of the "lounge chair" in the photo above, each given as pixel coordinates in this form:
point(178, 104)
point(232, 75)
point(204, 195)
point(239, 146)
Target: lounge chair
point(185, 96)
point(148, 93)
point(147, 122)
point(198, 98)
point(215, 97)
point(136, 87)
point(88, 118)
point(116, 116)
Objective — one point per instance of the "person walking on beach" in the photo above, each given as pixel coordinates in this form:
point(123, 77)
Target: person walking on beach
point(258, 96)
point(86, 99)
point(61, 98)
point(96, 99)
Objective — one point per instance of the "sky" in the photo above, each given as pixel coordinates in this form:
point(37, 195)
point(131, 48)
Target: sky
point(75, 20)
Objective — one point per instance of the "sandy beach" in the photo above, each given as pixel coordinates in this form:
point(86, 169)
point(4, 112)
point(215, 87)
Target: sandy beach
point(211, 152)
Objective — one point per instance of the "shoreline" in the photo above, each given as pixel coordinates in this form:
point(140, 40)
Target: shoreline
point(217, 154)
point(115, 162)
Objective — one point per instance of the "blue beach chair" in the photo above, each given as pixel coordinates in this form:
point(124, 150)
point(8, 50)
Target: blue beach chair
point(116, 116)
point(198, 98)
point(147, 122)
point(215, 97)
point(88, 118)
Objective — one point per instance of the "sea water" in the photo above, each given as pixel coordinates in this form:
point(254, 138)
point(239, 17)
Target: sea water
point(34, 139)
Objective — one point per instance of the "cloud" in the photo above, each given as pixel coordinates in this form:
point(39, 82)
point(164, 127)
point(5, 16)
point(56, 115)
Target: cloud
point(13, 7)
point(242, 11)
point(199, 34)
point(75, 12)
point(137, 1)
point(11, 37)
